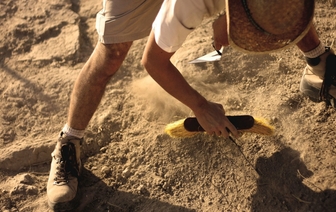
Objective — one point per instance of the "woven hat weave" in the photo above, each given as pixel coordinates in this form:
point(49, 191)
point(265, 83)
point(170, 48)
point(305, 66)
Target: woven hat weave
point(263, 26)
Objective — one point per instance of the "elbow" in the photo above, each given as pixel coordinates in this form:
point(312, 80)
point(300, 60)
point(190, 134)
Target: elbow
point(144, 62)
point(147, 63)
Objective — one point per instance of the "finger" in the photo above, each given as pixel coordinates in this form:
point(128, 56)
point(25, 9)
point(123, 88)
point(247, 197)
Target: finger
point(217, 46)
point(218, 133)
point(210, 133)
point(232, 129)
point(225, 133)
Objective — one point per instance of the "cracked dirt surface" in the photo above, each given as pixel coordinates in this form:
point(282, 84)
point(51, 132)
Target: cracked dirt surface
point(130, 164)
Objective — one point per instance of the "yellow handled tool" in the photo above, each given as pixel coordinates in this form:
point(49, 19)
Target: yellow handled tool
point(244, 123)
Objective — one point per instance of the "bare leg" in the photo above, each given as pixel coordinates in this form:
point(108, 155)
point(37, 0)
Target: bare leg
point(91, 82)
point(310, 41)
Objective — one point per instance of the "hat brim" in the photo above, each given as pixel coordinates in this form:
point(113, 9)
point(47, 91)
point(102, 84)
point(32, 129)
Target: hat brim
point(244, 36)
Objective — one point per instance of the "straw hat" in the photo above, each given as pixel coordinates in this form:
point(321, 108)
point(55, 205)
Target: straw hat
point(261, 26)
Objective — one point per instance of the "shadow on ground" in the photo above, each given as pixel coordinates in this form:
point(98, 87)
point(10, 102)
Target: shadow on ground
point(99, 197)
point(281, 188)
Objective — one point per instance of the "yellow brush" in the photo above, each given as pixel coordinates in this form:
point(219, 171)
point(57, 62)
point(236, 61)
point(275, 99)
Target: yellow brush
point(244, 123)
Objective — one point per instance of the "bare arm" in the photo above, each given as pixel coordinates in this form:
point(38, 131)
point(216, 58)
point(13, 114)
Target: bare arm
point(210, 115)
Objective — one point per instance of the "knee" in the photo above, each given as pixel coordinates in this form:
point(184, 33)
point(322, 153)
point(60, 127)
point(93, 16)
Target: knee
point(105, 60)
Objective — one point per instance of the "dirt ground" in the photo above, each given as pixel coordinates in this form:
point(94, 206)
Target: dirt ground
point(130, 164)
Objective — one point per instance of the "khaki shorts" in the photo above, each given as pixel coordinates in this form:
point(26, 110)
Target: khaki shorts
point(126, 20)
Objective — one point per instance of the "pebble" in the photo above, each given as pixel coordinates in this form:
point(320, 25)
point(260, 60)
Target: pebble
point(141, 189)
point(26, 179)
point(106, 171)
point(126, 173)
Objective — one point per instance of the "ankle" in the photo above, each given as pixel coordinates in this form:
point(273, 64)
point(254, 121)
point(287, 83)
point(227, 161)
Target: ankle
point(73, 132)
point(314, 61)
point(316, 52)
point(317, 65)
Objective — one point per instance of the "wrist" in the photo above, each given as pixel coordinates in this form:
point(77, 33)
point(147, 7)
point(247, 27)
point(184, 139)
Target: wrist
point(200, 106)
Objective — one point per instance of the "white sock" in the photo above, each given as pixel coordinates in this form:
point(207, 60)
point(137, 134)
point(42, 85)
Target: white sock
point(73, 132)
point(320, 49)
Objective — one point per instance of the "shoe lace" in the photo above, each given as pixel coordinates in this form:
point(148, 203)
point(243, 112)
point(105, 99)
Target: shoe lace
point(67, 164)
point(329, 77)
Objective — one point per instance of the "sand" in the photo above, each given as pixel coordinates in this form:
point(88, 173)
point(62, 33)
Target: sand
point(130, 164)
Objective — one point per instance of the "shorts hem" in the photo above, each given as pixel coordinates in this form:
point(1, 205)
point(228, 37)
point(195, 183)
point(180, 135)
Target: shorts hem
point(121, 38)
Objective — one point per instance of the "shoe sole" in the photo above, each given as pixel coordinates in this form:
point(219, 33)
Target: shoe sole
point(65, 206)
point(310, 91)
point(314, 93)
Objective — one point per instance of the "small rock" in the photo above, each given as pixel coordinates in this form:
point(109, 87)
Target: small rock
point(141, 189)
point(106, 171)
point(22, 189)
point(126, 173)
point(26, 179)
point(103, 149)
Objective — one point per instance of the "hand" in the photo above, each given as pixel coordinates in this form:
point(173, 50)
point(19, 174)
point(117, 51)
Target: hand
point(220, 36)
point(211, 117)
